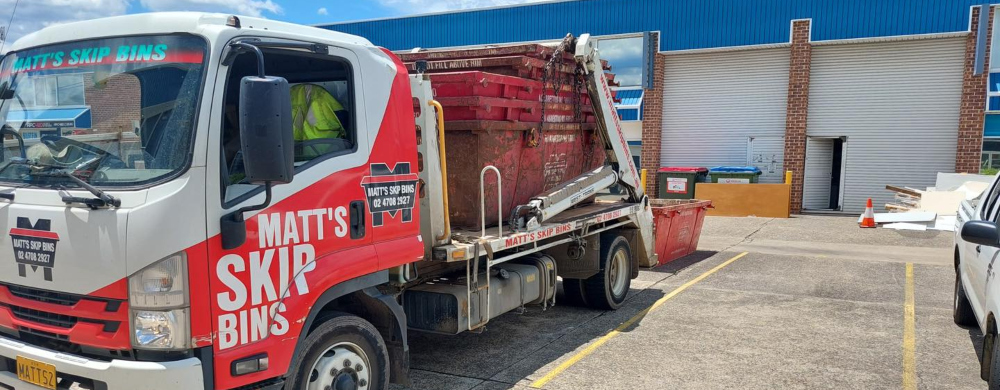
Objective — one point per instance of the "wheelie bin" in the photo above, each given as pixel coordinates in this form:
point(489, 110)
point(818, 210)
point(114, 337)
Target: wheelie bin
point(734, 175)
point(678, 182)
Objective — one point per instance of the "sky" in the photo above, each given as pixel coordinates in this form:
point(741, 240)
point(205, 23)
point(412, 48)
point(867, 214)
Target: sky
point(34, 14)
point(31, 15)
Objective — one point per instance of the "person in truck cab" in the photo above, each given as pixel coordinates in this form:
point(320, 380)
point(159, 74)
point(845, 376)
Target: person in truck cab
point(316, 115)
point(319, 125)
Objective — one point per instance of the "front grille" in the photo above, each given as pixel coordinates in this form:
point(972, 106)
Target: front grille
point(42, 333)
point(44, 318)
point(44, 295)
point(61, 343)
point(64, 320)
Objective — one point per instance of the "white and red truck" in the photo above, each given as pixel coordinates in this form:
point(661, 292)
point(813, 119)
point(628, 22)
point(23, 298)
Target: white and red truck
point(165, 230)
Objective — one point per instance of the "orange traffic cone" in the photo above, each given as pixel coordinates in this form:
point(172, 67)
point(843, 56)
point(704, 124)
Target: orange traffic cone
point(868, 218)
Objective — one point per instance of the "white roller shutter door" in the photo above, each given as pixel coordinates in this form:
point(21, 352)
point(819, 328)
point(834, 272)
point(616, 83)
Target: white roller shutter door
point(897, 103)
point(715, 103)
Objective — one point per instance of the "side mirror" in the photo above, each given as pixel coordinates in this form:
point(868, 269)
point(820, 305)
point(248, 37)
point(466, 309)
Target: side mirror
point(266, 130)
point(981, 233)
point(266, 141)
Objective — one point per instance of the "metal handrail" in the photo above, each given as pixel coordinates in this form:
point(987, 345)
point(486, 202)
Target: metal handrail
point(482, 242)
point(472, 282)
point(442, 154)
point(482, 199)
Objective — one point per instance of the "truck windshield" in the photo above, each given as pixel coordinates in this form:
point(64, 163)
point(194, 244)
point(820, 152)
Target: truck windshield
point(116, 112)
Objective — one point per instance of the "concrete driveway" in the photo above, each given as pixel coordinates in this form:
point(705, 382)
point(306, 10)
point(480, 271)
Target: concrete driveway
point(808, 302)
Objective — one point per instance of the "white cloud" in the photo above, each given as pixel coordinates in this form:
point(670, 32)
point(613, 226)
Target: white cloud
point(426, 6)
point(32, 15)
point(625, 57)
point(621, 48)
point(628, 77)
point(322, 11)
point(242, 7)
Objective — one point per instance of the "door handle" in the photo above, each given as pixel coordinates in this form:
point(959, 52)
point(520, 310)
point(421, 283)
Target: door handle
point(979, 249)
point(357, 219)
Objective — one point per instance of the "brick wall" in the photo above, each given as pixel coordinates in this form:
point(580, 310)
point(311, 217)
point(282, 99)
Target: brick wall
point(652, 124)
point(798, 108)
point(115, 105)
point(972, 109)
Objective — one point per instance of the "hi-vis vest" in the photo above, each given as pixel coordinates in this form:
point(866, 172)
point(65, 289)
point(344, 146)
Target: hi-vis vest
point(314, 113)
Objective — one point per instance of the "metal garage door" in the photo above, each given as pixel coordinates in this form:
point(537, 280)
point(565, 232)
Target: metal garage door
point(897, 102)
point(715, 103)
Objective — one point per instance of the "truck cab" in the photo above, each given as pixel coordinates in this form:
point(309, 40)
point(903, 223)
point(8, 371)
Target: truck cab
point(133, 277)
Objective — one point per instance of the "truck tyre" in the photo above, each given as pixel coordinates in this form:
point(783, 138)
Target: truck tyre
point(961, 308)
point(607, 289)
point(344, 352)
point(573, 292)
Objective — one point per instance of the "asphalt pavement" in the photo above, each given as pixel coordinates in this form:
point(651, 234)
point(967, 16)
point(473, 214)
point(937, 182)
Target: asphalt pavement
point(807, 302)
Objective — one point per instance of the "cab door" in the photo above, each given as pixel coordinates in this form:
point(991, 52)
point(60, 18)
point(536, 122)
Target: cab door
point(314, 233)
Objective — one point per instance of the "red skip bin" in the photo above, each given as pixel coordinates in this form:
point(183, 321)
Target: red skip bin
point(677, 226)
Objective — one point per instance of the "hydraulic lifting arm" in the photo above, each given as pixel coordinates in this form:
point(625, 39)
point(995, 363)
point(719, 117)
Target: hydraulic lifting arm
point(609, 127)
point(619, 169)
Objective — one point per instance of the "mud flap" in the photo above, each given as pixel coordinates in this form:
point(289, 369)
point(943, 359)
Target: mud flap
point(399, 349)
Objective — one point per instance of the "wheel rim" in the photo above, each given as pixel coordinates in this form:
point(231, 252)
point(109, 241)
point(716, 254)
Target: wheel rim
point(618, 273)
point(343, 366)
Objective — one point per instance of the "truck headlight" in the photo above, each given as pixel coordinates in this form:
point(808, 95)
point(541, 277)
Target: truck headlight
point(158, 298)
point(165, 330)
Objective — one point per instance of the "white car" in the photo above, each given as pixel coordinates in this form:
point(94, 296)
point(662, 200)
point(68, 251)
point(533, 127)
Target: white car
point(977, 294)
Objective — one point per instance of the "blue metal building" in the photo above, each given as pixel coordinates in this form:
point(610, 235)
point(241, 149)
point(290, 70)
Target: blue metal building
point(683, 24)
point(849, 95)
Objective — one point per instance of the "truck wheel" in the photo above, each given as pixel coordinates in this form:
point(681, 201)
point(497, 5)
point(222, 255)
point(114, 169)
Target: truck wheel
point(607, 289)
point(573, 292)
point(962, 309)
point(344, 352)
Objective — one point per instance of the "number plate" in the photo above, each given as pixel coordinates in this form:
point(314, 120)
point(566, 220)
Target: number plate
point(36, 373)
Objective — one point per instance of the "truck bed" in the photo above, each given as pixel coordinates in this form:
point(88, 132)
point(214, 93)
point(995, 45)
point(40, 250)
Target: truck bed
point(564, 226)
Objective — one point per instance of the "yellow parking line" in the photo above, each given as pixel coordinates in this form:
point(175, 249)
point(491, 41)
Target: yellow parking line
point(621, 328)
point(909, 334)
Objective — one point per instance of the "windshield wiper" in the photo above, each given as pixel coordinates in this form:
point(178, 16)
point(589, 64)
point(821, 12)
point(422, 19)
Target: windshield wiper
point(103, 198)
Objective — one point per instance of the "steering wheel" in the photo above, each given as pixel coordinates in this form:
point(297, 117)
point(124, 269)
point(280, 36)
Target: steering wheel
point(50, 143)
point(60, 153)
point(318, 147)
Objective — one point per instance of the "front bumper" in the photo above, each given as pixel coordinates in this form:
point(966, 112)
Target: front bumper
point(116, 374)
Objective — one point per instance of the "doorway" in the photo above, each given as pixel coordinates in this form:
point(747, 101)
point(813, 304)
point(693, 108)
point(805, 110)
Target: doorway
point(823, 187)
